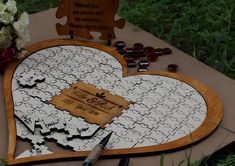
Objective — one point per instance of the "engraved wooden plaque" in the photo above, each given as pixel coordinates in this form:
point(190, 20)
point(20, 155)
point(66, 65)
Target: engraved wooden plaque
point(85, 16)
point(95, 105)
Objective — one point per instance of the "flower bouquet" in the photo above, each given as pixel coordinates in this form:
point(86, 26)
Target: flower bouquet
point(13, 33)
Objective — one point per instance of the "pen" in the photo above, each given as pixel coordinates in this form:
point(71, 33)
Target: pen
point(96, 151)
point(124, 161)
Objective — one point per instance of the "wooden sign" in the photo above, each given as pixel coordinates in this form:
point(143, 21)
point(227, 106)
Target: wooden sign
point(85, 16)
point(95, 105)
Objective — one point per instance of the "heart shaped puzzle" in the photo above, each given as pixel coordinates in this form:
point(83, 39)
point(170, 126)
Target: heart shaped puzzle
point(74, 93)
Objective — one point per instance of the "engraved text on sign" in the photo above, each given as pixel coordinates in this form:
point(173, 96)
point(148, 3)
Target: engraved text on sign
point(94, 105)
point(85, 16)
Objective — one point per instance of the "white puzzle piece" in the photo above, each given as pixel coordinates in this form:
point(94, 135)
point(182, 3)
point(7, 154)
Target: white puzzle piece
point(30, 79)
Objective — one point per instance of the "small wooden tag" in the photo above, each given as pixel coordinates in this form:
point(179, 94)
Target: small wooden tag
point(94, 105)
point(93, 101)
point(85, 16)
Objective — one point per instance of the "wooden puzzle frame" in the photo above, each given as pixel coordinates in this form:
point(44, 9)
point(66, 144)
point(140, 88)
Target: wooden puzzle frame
point(213, 118)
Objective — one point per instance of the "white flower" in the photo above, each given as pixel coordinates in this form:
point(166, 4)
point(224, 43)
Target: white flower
point(21, 24)
point(2, 7)
point(5, 37)
point(6, 18)
point(21, 41)
point(6, 31)
point(13, 34)
point(5, 43)
point(21, 54)
point(11, 6)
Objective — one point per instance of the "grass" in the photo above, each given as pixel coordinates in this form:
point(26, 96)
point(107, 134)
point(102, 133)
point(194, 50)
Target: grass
point(34, 6)
point(224, 157)
point(204, 29)
point(3, 162)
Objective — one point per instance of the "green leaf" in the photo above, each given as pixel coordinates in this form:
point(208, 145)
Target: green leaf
point(162, 159)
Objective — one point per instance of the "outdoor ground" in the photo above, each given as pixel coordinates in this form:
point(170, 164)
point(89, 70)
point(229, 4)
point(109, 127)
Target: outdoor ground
point(204, 29)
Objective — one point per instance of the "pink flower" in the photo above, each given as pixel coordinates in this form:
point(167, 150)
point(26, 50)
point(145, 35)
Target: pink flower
point(6, 56)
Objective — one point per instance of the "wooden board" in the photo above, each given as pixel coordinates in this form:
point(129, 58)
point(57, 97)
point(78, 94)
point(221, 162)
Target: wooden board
point(85, 16)
point(167, 110)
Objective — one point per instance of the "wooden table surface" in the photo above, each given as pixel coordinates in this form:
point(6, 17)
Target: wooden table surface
point(42, 27)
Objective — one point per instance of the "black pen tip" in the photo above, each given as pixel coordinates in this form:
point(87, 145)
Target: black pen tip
point(105, 140)
point(109, 135)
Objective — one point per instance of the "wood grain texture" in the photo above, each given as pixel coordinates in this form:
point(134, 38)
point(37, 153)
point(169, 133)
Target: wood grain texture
point(83, 100)
point(85, 16)
point(213, 118)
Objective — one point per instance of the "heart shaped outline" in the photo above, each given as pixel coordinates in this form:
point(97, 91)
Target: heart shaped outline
point(213, 118)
